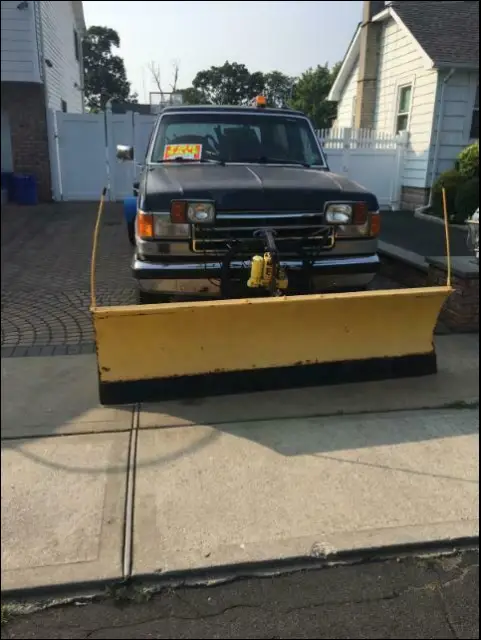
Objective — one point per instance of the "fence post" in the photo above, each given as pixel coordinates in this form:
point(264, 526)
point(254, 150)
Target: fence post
point(109, 151)
point(135, 128)
point(54, 153)
point(402, 140)
point(346, 150)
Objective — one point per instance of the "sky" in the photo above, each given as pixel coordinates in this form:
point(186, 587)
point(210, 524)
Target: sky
point(285, 36)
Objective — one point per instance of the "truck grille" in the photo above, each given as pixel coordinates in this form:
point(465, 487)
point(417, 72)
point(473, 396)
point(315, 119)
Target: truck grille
point(295, 232)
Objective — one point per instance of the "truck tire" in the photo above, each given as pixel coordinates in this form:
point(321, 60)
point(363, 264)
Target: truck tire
point(151, 298)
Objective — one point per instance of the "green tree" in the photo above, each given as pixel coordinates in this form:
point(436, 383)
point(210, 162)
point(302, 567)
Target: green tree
point(104, 72)
point(232, 83)
point(310, 95)
point(335, 71)
point(193, 96)
point(278, 88)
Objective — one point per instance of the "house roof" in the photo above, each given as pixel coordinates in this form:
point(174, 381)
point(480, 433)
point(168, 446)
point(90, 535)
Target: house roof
point(447, 31)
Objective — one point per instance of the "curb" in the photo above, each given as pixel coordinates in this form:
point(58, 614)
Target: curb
point(321, 557)
point(427, 217)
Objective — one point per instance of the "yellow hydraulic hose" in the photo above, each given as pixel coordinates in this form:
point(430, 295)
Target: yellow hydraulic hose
point(93, 260)
point(448, 244)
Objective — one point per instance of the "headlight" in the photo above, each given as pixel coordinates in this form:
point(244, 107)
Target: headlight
point(165, 229)
point(339, 214)
point(200, 212)
point(183, 211)
point(346, 213)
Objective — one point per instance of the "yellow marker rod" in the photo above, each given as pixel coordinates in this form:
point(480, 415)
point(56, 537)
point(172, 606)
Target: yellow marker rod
point(93, 260)
point(448, 243)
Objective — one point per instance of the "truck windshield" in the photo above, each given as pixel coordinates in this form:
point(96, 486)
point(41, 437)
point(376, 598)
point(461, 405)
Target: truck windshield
point(236, 137)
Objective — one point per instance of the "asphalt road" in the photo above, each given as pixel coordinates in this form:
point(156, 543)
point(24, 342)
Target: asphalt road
point(413, 597)
point(402, 229)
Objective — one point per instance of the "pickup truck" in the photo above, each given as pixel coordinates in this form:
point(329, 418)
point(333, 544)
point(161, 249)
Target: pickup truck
point(215, 176)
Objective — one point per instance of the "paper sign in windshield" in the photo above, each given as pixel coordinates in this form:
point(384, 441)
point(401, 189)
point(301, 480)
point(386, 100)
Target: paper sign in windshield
point(184, 151)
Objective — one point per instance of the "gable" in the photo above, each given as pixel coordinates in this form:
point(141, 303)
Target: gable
point(445, 37)
point(447, 31)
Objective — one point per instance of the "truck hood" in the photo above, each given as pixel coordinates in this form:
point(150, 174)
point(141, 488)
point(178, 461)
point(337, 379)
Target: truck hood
point(249, 187)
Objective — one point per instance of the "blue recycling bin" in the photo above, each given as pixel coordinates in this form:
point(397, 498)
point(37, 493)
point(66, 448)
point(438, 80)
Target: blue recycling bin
point(25, 189)
point(7, 183)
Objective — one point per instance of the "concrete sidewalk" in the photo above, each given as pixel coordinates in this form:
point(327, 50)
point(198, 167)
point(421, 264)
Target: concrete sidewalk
point(256, 477)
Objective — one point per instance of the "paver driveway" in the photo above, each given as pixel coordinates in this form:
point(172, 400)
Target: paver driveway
point(45, 275)
point(46, 281)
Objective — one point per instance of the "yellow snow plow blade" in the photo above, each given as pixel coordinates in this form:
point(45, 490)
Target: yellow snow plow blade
point(159, 352)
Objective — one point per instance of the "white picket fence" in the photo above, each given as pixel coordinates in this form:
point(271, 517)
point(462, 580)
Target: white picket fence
point(82, 151)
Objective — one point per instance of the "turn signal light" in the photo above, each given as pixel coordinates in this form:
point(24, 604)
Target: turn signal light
point(145, 225)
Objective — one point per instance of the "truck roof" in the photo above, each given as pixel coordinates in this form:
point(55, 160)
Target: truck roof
point(223, 107)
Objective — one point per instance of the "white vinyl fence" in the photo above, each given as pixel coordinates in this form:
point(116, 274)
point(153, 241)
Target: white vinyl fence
point(373, 159)
point(84, 153)
point(83, 156)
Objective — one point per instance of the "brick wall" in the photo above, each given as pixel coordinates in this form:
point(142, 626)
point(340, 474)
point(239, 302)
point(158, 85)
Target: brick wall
point(413, 197)
point(25, 105)
point(404, 274)
point(461, 310)
point(370, 38)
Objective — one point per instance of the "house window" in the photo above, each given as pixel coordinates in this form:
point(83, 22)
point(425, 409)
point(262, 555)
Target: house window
point(403, 108)
point(474, 135)
point(76, 45)
point(64, 106)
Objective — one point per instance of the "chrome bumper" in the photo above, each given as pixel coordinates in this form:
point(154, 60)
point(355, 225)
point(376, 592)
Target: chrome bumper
point(192, 278)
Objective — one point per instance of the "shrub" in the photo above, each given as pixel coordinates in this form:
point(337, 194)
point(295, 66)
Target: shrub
point(467, 200)
point(450, 180)
point(467, 162)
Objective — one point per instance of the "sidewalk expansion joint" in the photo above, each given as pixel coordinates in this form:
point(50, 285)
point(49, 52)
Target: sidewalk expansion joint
point(129, 507)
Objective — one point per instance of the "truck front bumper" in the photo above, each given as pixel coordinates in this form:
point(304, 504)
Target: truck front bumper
point(203, 279)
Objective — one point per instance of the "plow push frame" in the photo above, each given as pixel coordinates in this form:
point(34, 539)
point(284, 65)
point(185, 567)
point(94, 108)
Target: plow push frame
point(161, 352)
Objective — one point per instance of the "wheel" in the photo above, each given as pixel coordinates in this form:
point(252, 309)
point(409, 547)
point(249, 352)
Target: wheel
point(151, 298)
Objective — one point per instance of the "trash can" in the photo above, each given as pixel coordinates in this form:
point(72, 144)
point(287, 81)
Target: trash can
point(7, 184)
point(25, 189)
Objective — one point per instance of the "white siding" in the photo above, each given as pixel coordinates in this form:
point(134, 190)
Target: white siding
point(401, 62)
point(58, 24)
point(20, 54)
point(459, 97)
point(346, 105)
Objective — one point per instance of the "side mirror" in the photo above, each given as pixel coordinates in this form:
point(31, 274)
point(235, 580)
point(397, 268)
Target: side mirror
point(124, 152)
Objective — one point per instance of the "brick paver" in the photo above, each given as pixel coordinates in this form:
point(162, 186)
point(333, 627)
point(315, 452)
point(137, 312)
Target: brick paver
point(45, 275)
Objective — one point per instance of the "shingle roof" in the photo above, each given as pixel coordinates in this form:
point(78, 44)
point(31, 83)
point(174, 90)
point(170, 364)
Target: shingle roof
point(447, 31)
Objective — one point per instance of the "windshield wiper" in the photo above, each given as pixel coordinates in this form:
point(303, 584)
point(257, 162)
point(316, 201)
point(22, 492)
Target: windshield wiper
point(182, 160)
point(268, 160)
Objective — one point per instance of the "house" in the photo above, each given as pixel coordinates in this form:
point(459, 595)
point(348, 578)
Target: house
point(414, 66)
point(42, 68)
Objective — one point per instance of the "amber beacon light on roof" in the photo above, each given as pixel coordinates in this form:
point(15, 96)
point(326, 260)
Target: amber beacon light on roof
point(259, 101)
